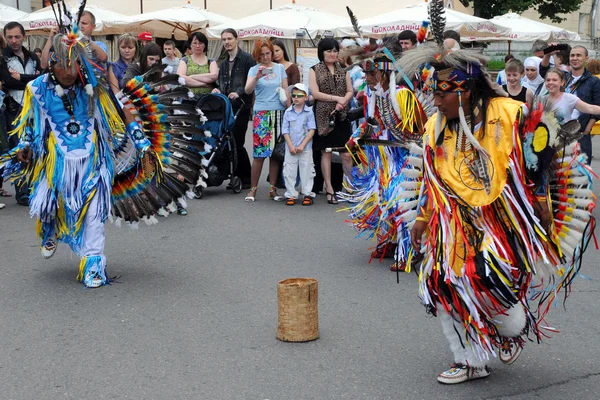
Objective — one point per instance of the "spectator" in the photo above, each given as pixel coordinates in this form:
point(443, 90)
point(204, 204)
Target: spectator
point(149, 56)
point(187, 49)
point(407, 39)
point(331, 88)
point(561, 59)
point(585, 86)
point(17, 67)
point(514, 73)
point(501, 79)
point(233, 73)
point(533, 80)
point(87, 24)
point(565, 103)
point(538, 48)
point(298, 130)
point(280, 56)
point(593, 66)
point(127, 46)
point(451, 34)
point(38, 52)
point(199, 72)
point(264, 79)
point(170, 59)
point(145, 38)
point(452, 40)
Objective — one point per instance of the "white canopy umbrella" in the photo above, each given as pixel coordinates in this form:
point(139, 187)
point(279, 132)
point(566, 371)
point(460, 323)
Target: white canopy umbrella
point(9, 14)
point(180, 22)
point(528, 30)
point(283, 22)
point(411, 17)
point(44, 19)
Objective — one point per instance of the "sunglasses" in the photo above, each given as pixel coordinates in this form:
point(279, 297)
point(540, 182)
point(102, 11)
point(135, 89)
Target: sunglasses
point(297, 95)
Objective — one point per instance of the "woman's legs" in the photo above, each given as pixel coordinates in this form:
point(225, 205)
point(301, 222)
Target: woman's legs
point(273, 171)
point(346, 163)
point(257, 165)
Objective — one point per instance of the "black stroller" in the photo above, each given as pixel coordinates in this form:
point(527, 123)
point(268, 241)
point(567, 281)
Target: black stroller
point(210, 146)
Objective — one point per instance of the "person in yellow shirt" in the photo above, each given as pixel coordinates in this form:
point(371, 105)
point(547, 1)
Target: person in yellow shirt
point(485, 223)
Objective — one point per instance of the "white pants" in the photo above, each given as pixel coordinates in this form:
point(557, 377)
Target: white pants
point(510, 325)
point(294, 162)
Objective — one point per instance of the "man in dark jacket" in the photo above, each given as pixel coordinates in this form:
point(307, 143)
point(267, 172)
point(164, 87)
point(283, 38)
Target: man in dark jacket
point(233, 73)
point(584, 85)
point(17, 67)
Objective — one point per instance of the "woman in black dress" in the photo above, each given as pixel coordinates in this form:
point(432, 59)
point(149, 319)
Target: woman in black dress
point(331, 88)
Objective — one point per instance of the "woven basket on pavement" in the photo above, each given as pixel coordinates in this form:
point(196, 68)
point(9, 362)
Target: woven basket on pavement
point(298, 310)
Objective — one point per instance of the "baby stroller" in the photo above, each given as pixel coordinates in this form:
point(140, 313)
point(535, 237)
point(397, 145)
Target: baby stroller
point(212, 140)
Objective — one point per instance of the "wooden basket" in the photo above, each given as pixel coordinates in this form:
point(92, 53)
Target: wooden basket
point(298, 310)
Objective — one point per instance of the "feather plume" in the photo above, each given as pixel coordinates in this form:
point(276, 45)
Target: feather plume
point(437, 16)
point(80, 10)
point(354, 22)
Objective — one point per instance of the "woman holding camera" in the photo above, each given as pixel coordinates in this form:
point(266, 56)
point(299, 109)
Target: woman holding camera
point(267, 80)
point(331, 88)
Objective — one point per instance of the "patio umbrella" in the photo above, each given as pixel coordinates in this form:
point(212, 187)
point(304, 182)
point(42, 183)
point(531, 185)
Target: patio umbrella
point(283, 22)
point(411, 17)
point(44, 19)
point(528, 30)
point(180, 22)
point(9, 14)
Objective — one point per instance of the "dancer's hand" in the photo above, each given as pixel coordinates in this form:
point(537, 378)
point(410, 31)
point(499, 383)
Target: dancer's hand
point(416, 233)
point(542, 211)
point(24, 155)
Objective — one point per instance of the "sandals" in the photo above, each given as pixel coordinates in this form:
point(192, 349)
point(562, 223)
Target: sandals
point(290, 202)
point(333, 199)
point(273, 194)
point(251, 195)
point(308, 201)
point(4, 193)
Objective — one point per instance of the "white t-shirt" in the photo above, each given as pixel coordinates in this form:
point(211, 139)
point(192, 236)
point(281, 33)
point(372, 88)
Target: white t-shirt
point(564, 107)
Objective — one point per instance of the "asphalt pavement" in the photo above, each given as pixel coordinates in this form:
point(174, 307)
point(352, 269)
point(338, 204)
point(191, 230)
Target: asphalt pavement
point(193, 315)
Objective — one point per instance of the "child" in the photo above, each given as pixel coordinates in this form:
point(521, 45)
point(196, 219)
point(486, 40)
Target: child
point(514, 73)
point(501, 79)
point(298, 129)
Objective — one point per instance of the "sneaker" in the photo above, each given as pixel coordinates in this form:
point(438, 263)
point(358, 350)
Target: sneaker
point(181, 211)
point(461, 373)
point(2, 205)
point(509, 351)
point(48, 248)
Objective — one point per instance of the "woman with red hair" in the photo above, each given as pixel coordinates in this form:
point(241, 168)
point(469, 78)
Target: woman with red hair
point(265, 80)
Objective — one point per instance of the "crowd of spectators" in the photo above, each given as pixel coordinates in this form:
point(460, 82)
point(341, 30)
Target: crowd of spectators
point(257, 85)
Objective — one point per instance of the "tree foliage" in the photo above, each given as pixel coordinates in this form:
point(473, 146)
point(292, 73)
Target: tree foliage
point(546, 8)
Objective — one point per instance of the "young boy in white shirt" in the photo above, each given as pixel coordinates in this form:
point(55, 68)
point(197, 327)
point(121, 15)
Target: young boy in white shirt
point(298, 129)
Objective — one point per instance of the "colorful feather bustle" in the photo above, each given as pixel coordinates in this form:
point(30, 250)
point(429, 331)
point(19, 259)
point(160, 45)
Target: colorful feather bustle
point(384, 186)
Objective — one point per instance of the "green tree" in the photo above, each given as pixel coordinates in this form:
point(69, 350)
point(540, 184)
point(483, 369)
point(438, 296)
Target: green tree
point(546, 8)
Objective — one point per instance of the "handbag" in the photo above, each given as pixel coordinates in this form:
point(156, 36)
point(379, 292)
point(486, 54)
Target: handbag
point(278, 153)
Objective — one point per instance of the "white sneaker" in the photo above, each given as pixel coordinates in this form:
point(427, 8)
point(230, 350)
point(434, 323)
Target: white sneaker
point(509, 351)
point(2, 205)
point(461, 373)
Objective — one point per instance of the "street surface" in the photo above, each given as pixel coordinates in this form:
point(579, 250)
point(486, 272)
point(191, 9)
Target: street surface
point(194, 316)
